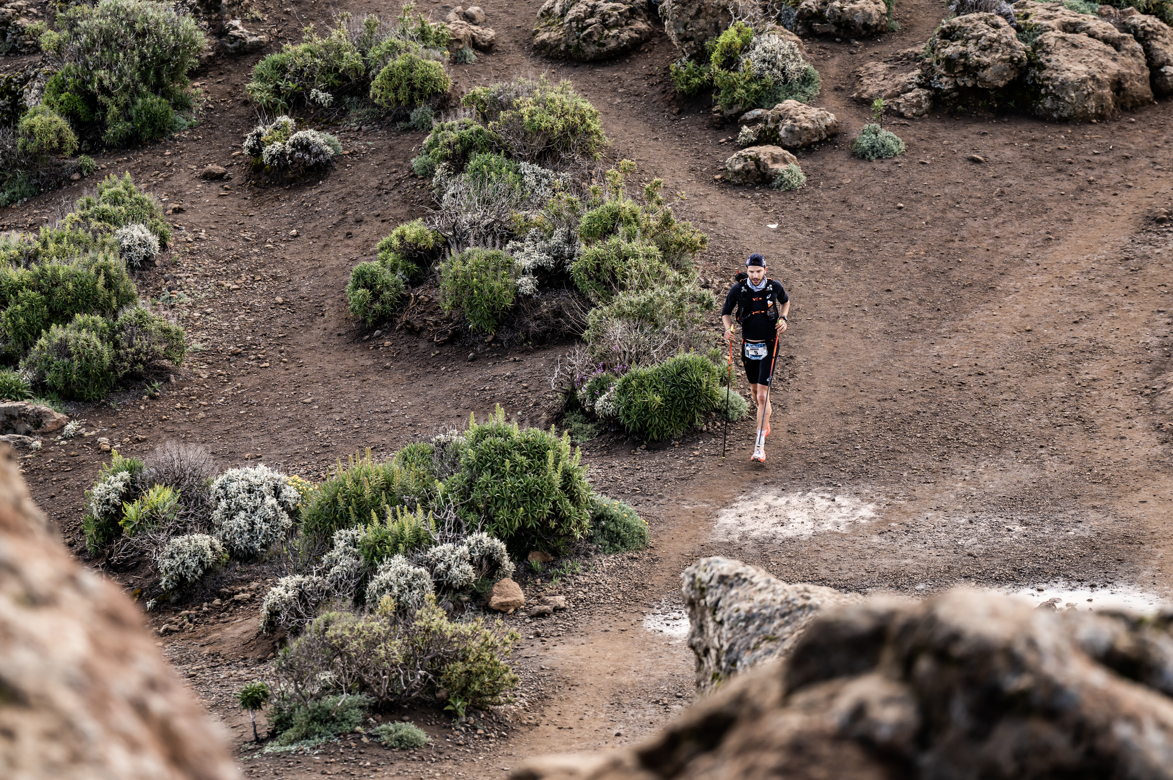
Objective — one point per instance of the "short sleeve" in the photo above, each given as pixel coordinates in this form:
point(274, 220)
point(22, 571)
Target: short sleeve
point(782, 296)
point(730, 300)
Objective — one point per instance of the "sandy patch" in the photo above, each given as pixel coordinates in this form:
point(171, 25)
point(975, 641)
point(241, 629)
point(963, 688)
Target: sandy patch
point(797, 514)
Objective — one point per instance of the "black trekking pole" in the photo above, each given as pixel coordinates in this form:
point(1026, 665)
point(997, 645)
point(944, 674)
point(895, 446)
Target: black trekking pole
point(728, 390)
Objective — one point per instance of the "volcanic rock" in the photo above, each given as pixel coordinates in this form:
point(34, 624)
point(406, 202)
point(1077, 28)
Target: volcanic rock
point(589, 30)
point(757, 164)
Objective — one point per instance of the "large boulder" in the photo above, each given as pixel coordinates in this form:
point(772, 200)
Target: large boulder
point(757, 165)
point(1156, 39)
point(28, 419)
point(690, 24)
point(467, 29)
point(846, 18)
point(240, 40)
point(589, 30)
point(1081, 66)
point(84, 691)
point(740, 616)
point(791, 124)
point(975, 51)
point(895, 80)
point(965, 685)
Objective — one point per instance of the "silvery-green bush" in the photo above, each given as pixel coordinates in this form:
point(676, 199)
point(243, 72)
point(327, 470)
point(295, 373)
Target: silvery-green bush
point(450, 566)
point(137, 245)
point(252, 509)
point(407, 585)
point(343, 566)
point(488, 556)
point(186, 559)
point(293, 603)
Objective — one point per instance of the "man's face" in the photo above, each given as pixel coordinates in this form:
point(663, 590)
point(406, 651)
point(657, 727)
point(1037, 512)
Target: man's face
point(756, 273)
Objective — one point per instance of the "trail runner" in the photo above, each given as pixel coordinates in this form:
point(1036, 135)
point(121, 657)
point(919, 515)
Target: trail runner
point(762, 305)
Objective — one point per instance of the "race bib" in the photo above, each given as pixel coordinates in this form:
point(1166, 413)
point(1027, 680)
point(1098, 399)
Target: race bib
point(756, 350)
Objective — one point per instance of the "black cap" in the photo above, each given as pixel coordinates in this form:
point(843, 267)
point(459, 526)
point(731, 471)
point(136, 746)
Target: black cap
point(755, 259)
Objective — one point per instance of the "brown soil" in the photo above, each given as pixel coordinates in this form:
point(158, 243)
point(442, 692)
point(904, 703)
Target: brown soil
point(980, 348)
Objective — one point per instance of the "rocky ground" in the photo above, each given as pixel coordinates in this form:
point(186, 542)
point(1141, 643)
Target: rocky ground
point(978, 355)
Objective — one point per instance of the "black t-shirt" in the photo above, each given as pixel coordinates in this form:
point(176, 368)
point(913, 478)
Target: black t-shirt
point(756, 327)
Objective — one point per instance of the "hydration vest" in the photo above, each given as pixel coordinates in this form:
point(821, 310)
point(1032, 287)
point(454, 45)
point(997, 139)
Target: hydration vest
point(751, 302)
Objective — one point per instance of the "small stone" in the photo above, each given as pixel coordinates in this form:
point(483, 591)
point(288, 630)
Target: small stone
point(899, 205)
point(241, 597)
point(555, 602)
point(104, 444)
point(471, 357)
point(280, 299)
point(213, 172)
point(75, 177)
point(541, 610)
point(540, 557)
point(294, 233)
point(976, 158)
point(506, 596)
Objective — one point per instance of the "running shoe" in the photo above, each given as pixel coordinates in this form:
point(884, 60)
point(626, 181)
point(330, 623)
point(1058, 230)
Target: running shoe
point(767, 431)
point(759, 455)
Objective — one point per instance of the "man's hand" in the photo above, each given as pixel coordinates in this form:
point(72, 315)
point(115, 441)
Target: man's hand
point(781, 326)
point(729, 335)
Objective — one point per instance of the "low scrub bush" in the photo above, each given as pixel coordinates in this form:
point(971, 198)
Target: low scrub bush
point(53, 244)
point(610, 266)
point(361, 493)
point(322, 69)
point(186, 559)
point(157, 507)
point(42, 133)
point(665, 400)
point(453, 143)
point(189, 470)
point(482, 284)
point(123, 68)
point(405, 586)
point(119, 203)
point(540, 122)
point(280, 148)
point(144, 341)
point(616, 527)
point(343, 567)
point(14, 385)
point(293, 602)
point(791, 178)
point(527, 485)
point(876, 143)
point(395, 659)
point(408, 81)
point(733, 407)
point(691, 78)
point(72, 361)
point(374, 291)
point(251, 509)
point(137, 245)
point(401, 736)
point(645, 326)
point(410, 249)
point(116, 485)
point(295, 720)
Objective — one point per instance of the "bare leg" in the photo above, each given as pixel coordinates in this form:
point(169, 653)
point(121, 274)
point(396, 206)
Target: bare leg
point(760, 398)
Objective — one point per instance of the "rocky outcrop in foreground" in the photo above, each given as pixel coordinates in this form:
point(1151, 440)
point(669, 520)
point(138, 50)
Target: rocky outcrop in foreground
point(590, 30)
point(790, 124)
point(740, 616)
point(84, 692)
point(965, 685)
point(758, 165)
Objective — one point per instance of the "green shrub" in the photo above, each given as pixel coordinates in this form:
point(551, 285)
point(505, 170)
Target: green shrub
point(422, 119)
point(611, 266)
point(144, 341)
point(616, 527)
point(296, 720)
point(155, 508)
point(399, 532)
point(401, 736)
point(18, 188)
point(14, 386)
point(732, 405)
point(464, 56)
point(613, 212)
point(43, 133)
point(395, 660)
point(359, 494)
point(665, 400)
point(279, 148)
point(408, 81)
point(759, 71)
point(876, 143)
point(453, 143)
point(125, 66)
point(346, 61)
point(689, 78)
point(486, 168)
point(117, 204)
point(538, 121)
point(1082, 7)
point(676, 305)
point(71, 362)
point(527, 485)
point(791, 178)
point(482, 284)
point(374, 291)
point(49, 294)
point(117, 484)
point(53, 243)
point(410, 248)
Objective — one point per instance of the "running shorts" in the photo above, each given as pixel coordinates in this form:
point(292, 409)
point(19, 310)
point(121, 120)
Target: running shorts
point(758, 359)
